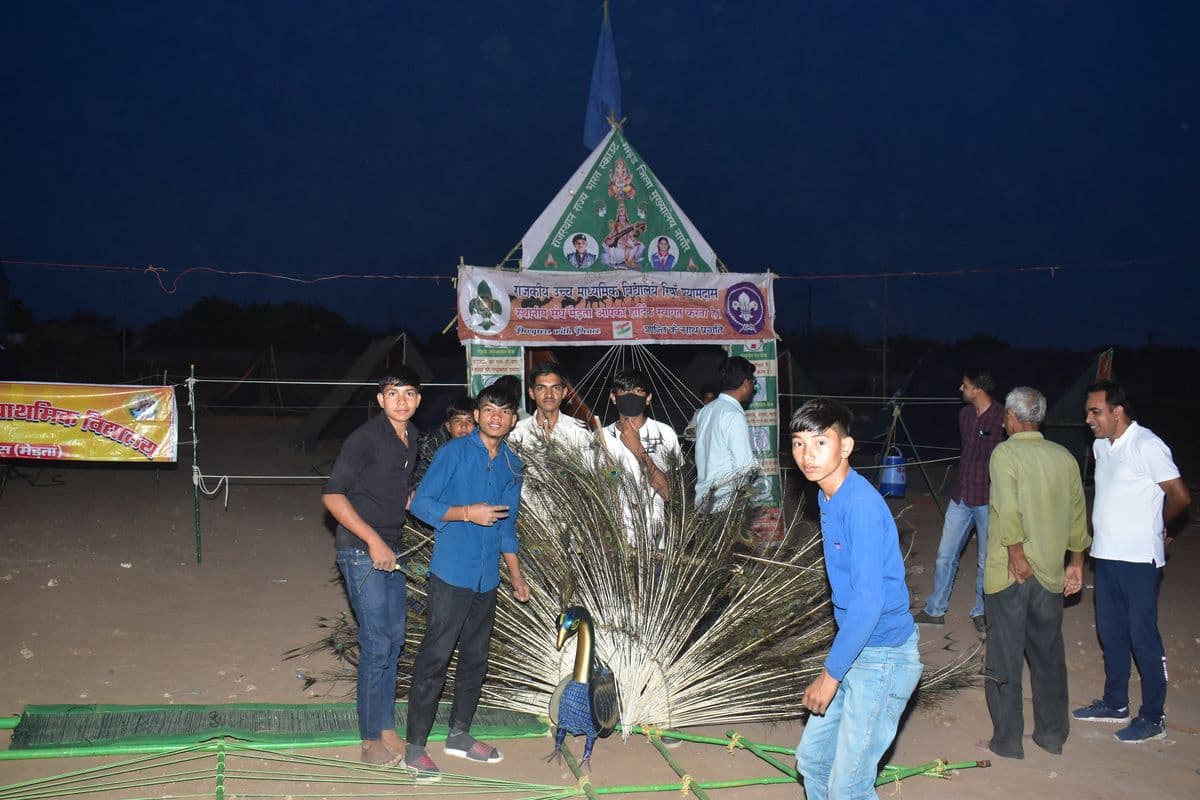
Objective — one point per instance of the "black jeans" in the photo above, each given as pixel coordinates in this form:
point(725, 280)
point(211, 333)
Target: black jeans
point(461, 618)
point(1025, 621)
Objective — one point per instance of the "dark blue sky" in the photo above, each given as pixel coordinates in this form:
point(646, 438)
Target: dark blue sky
point(811, 138)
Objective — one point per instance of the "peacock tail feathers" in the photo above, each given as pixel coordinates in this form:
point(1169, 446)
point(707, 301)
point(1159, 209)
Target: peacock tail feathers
point(696, 621)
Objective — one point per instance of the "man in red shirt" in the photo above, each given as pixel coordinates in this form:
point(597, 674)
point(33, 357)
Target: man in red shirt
point(980, 427)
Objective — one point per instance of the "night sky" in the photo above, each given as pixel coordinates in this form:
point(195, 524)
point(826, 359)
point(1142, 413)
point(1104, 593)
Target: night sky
point(810, 138)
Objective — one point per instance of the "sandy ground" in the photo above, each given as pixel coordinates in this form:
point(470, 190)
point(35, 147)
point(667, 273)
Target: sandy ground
point(104, 603)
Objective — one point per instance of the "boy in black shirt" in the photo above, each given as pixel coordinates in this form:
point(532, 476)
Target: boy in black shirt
point(367, 493)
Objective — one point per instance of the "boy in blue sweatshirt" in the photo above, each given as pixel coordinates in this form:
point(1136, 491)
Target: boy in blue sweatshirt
point(873, 666)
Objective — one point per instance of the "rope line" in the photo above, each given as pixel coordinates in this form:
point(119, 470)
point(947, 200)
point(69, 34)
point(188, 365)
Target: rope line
point(198, 481)
point(906, 463)
point(857, 398)
point(592, 388)
point(306, 382)
point(918, 463)
point(267, 477)
point(158, 272)
point(1052, 269)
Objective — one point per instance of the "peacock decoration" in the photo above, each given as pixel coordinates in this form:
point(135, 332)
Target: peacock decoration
point(701, 622)
point(586, 702)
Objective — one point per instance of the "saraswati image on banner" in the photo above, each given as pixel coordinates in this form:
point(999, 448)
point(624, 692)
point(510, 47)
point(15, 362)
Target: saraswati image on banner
point(88, 422)
point(614, 214)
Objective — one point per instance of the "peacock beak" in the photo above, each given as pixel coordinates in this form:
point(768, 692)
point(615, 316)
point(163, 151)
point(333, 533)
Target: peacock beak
point(563, 633)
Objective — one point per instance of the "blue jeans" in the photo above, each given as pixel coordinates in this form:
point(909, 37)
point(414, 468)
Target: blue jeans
point(955, 532)
point(378, 600)
point(839, 753)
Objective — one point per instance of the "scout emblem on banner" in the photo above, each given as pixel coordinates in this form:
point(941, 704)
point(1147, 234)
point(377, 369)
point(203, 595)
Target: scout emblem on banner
point(615, 214)
point(479, 305)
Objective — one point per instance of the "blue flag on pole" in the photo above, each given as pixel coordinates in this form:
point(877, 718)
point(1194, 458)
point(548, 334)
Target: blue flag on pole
point(604, 95)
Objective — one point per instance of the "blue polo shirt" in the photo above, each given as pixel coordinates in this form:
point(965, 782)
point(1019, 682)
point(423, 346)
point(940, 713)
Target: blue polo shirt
point(866, 573)
point(467, 555)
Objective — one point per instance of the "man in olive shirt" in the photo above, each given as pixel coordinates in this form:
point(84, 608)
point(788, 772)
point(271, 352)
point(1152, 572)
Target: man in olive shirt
point(1035, 515)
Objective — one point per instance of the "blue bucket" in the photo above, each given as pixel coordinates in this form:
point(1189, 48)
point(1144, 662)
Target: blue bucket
point(893, 481)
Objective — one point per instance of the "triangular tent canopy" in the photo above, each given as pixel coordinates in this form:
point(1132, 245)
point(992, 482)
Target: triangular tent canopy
point(614, 213)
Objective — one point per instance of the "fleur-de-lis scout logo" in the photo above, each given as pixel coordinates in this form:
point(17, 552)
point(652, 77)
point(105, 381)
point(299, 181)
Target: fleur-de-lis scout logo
point(745, 308)
point(485, 313)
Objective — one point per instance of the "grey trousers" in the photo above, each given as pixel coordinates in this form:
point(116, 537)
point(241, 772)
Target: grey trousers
point(1025, 621)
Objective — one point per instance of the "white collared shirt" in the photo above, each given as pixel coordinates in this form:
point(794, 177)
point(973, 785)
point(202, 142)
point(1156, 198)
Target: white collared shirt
point(528, 434)
point(1127, 511)
point(662, 445)
point(528, 439)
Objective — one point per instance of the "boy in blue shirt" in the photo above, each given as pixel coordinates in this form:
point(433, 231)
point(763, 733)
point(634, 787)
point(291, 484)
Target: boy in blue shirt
point(470, 494)
point(873, 666)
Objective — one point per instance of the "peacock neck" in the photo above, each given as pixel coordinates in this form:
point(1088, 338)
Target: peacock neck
point(583, 652)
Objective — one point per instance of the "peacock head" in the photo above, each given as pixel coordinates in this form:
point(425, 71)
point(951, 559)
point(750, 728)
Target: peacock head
point(569, 621)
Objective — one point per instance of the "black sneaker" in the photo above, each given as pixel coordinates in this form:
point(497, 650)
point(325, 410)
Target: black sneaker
point(922, 618)
point(980, 623)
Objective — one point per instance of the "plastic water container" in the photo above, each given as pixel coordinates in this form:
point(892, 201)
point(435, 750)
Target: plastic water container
point(892, 480)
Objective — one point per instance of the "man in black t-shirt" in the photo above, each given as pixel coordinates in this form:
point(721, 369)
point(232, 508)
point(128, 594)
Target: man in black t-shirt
point(367, 493)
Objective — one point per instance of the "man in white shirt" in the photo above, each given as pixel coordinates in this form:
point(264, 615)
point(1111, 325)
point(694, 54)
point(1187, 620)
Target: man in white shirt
point(643, 449)
point(548, 425)
point(1138, 490)
point(545, 430)
point(725, 460)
